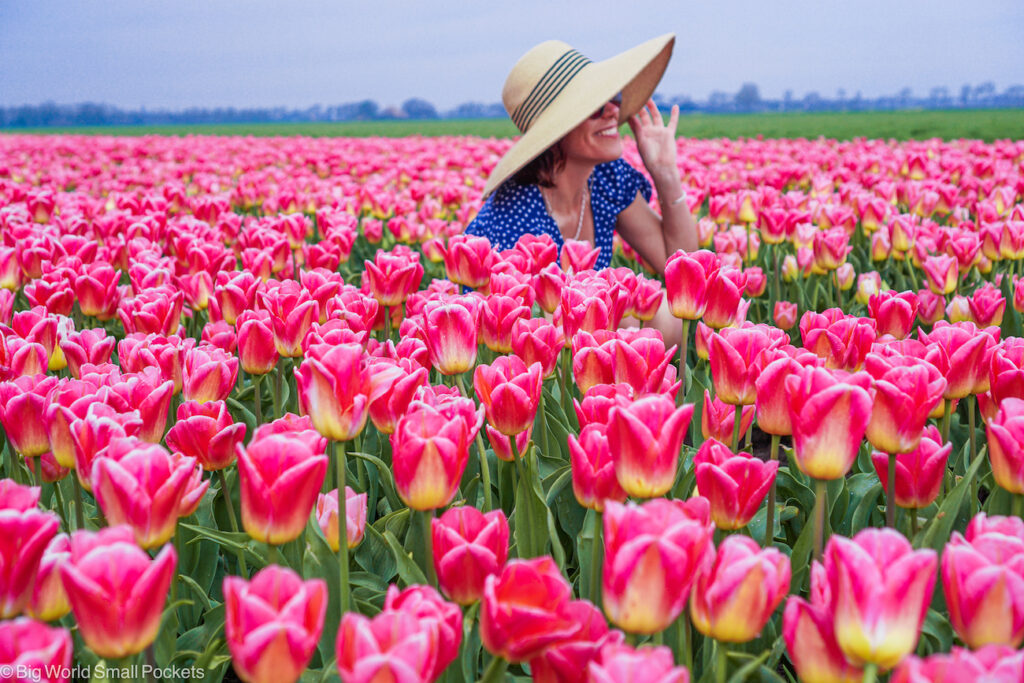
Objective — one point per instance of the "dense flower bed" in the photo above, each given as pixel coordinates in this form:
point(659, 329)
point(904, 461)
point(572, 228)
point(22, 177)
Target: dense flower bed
point(217, 353)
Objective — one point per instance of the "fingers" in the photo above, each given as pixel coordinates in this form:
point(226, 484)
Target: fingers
point(652, 106)
point(673, 119)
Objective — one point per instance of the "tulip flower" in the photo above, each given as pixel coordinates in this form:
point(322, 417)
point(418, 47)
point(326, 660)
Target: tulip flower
point(424, 604)
point(941, 273)
point(32, 651)
point(734, 354)
point(724, 293)
point(90, 434)
point(735, 594)
point(49, 600)
point(622, 664)
point(14, 496)
point(256, 351)
point(279, 476)
point(807, 628)
point(292, 312)
point(829, 412)
point(148, 393)
point(734, 484)
point(143, 486)
point(509, 392)
point(468, 547)
point(397, 393)
point(843, 341)
point(23, 402)
point(152, 311)
point(718, 419)
point(961, 353)
point(536, 340)
point(645, 437)
point(233, 294)
point(1006, 445)
point(547, 287)
point(355, 517)
point(770, 403)
point(96, 290)
point(880, 589)
point(893, 312)
point(565, 661)
point(498, 315)
point(430, 449)
point(907, 390)
point(87, 346)
point(784, 315)
point(918, 473)
point(24, 536)
point(206, 432)
point(273, 623)
point(210, 374)
point(468, 261)
point(391, 277)
point(451, 335)
point(138, 351)
point(687, 277)
point(983, 580)
point(117, 592)
point(993, 664)
point(578, 256)
point(388, 647)
point(593, 468)
point(652, 553)
point(526, 608)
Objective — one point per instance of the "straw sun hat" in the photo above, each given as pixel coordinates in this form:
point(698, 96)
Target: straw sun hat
point(553, 88)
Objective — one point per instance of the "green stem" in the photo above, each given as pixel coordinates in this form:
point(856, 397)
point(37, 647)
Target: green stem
point(485, 469)
point(277, 388)
point(913, 523)
point(1018, 505)
point(62, 507)
point(516, 458)
point(566, 377)
point(890, 497)
point(946, 417)
point(870, 672)
point(595, 560)
point(495, 671)
point(257, 398)
point(684, 348)
point(723, 662)
point(79, 512)
point(769, 521)
point(820, 504)
point(737, 418)
point(387, 323)
point(224, 491)
point(685, 640)
point(972, 402)
point(338, 448)
point(425, 547)
point(274, 555)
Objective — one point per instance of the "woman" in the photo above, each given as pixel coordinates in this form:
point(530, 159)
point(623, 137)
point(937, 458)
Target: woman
point(565, 177)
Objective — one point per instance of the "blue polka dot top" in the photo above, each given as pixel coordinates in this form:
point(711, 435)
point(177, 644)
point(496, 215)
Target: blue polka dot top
point(514, 210)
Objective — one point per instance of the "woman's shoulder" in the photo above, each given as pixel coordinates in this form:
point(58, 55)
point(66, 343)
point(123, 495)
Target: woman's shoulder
point(620, 182)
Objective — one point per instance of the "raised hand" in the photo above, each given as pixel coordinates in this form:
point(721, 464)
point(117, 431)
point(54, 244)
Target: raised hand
point(656, 140)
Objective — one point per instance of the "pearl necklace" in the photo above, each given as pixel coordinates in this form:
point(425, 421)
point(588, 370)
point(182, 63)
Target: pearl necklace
point(583, 208)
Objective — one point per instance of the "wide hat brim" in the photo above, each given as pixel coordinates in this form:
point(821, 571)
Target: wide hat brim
point(635, 73)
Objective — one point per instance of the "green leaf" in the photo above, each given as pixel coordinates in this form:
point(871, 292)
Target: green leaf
point(529, 514)
point(864, 509)
point(800, 559)
point(197, 590)
point(386, 477)
point(408, 571)
point(938, 530)
point(230, 541)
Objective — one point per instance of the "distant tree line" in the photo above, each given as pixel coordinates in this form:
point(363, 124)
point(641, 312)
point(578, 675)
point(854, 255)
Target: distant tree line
point(746, 100)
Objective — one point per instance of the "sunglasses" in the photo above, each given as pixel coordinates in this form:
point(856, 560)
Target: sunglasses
point(616, 100)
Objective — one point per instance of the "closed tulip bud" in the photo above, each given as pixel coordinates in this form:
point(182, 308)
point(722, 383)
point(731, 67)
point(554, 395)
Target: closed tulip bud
point(845, 277)
point(430, 449)
point(117, 592)
point(918, 473)
point(391, 277)
point(509, 392)
point(983, 581)
point(881, 247)
point(564, 662)
point(24, 536)
point(23, 402)
point(256, 351)
point(718, 418)
point(355, 517)
point(644, 437)
point(687, 278)
point(206, 432)
point(334, 389)
point(536, 340)
point(388, 647)
point(468, 261)
point(881, 588)
point(292, 312)
point(931, 306)
point(621, 664)
point(651, 557)
point(893, 312)
point(502, 445)
point(280, 476)
point(593, 468)
point(724, 293)
point(498, 315)
point(49, 601)
point(547, 287)
point(210, 374)
point(143, 486)
point(785, 315)
point(425, 604)
point(273, 623)
point(961, 353)
point(469, 546)
point(87, 346)
point(958, 310)
point(986, 306)
point(829, 411)
point(734, 484)
point(526, 608)
point(907, 390)
point(736, 593)
point(451, 335)
point(992, 663)
point(734, 356)
point(32, 651)
point(790, 268)
point(941, 273)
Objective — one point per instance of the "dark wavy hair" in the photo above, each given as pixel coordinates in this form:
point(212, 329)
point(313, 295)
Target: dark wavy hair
point(541, 171)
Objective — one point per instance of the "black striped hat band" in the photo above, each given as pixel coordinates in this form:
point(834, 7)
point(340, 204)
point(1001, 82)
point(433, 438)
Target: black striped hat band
point(547, 88)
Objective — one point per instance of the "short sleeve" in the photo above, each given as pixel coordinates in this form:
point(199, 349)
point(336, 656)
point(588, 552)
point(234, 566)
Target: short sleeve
point(618, 183)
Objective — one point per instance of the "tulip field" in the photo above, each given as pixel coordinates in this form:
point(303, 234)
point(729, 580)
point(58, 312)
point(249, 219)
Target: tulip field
point(268, 415)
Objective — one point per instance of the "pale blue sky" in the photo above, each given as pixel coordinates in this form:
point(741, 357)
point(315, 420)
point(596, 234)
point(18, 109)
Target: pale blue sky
point(296, 53)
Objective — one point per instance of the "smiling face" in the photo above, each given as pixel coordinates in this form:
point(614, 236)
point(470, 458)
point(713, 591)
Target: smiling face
point(596, 140)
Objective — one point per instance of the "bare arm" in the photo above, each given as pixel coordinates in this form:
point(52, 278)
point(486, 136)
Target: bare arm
point(655, 237)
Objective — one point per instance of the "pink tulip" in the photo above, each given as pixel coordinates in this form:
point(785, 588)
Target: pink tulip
point(687, 277)
point(735, 594)
point(718, 419)
point(961, 354)
point(734, 356)
point(593, 469)
point(273, 623)
point(469, 546)
point(210, 374)
point(96, 290)
point(14, 496)
point(389, 406)
point(90, 434)
point(424, 604)
point(206, 432)
point(24, 536)
point(116, 591)
point(536, 340)
point(233, 294)
point(148, 393)
point(992, 664)
point(33, 651)
point(392, 276)
point(565, 661)
point(809, 631)
point(907, 390)
point(152, 311)
point(1005, 438)
point(138, 351)
point(468, 261)
point(644, 437)
point(893, 312)
point(578, 256)
point(829, 411)
point(784, 315)
point(257, 353)
point(280, 476)
point(621, 664)
point(355, 517)
point(23, 402)
point(652, 554)
point(724, 293)
point(509, 393)
point(87, 346)
point(451, 335)
point(918, 473)
point(734, 484)
point(388, 647)
point(49, 601)
point(526, 608)
point(292, 312)
point(880, 588)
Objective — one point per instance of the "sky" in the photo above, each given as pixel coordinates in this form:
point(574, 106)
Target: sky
point(295, 53)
